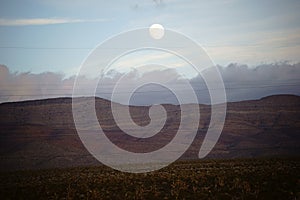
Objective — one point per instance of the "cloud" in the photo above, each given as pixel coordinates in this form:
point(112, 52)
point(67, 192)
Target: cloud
point(44, 21)
point(241, 83)
point(240, 32)
point(263, 46)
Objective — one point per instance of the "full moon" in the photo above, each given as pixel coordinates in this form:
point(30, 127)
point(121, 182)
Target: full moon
point(156, 31)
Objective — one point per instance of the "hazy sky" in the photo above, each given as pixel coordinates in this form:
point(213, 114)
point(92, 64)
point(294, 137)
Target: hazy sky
point(56, 35)
point(256, 45)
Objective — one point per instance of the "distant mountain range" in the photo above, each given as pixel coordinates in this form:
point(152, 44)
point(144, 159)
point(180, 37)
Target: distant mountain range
point(41, 133)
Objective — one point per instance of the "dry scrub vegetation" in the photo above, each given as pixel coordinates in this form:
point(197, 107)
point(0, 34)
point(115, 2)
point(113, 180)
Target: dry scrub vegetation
point(210, 179)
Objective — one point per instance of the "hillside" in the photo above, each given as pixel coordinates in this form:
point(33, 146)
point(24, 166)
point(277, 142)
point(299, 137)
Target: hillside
point(41, 133)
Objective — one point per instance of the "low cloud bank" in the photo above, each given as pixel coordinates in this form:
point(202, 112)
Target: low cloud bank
point(241, 83)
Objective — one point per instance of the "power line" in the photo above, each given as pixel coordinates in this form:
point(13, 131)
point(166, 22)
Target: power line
point(73, 48)
point(46, 48)
point(98, 47)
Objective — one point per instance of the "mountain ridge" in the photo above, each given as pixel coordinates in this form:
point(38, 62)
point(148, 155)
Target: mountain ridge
point(41, 133)
point(35, 101)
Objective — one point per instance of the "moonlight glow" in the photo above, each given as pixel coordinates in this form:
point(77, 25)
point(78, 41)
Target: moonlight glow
point(156, 31)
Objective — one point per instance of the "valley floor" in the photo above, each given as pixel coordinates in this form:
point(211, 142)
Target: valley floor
point(204, 179)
